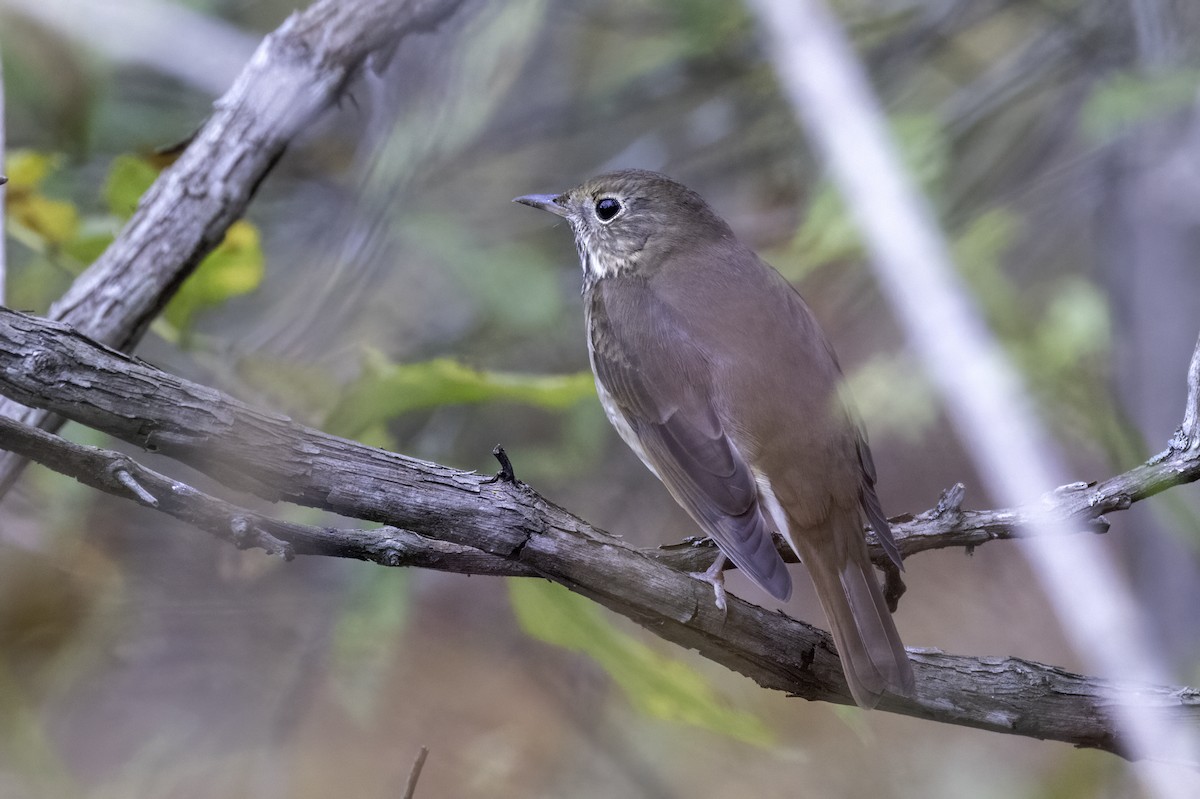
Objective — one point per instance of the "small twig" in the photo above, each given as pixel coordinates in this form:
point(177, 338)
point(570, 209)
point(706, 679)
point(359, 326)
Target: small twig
point(951, 500)
point(506, 474)
point(122, 476)
point(1188, 435)
point(414, 774)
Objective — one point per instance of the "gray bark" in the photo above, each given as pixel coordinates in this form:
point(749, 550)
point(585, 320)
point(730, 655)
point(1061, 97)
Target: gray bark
point(462, 521)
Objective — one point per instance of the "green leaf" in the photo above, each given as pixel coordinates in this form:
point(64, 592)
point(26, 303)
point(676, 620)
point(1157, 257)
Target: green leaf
point(1128, 98)
point(234, 268)
point(827, 234)
point(87, 247)
point(656, 685)
point(128, 179)
point(386, 390)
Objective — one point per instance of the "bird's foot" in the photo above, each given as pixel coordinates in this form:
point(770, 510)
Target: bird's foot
point(714, 575)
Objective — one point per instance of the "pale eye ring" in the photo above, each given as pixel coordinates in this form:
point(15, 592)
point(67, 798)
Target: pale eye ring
point(607, 208)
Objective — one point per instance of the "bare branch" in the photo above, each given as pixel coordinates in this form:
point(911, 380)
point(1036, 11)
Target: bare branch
point(463, 521)
point(118, 474)
point(297, 72)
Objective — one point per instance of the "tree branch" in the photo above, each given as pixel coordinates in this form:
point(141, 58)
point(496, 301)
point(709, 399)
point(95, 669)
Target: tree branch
point(120, 475)
point(297, 72)
point(499, 527)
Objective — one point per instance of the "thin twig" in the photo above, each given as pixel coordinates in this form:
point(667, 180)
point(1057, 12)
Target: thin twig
point(1190, 429)
point(410, 788)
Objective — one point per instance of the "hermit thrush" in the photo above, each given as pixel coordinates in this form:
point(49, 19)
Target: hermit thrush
point(714, 371)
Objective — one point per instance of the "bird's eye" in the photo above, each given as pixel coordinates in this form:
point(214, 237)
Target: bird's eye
point(607, 208)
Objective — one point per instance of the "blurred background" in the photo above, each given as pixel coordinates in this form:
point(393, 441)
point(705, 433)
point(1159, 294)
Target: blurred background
point(383, 288)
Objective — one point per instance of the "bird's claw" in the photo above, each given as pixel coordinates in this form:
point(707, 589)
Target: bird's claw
point(714, 575)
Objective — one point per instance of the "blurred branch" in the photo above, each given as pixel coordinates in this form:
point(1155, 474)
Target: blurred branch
point(191, 46)
point(297, 72)
point(410, 787)
point(462, 521)
point(934, 25)
point(1018, 74)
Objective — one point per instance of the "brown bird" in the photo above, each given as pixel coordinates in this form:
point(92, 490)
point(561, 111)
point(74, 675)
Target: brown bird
point(714, 371)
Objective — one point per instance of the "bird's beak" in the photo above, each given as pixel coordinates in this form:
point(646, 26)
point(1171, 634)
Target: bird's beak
point(547, 202)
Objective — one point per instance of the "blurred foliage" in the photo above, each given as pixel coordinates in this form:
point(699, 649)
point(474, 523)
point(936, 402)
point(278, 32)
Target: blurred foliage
point(892, 393)
point(657, 685)
point(66, 240)
point(128, 179)
point(367, 632)
point(49, 223)
point(303, 390)
point(827, 234)
point(1057, 329)
point(1125, 100)
point(1060, 339)
point(235, 267)
point(515, 286)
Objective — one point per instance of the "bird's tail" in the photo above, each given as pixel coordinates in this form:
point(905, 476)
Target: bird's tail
point(873, 657)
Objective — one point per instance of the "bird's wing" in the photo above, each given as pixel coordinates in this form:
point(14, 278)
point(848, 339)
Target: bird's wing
point(655, 379)
point(870, 500)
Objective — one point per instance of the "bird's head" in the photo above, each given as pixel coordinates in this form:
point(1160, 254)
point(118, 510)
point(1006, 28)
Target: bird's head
point(628, 220)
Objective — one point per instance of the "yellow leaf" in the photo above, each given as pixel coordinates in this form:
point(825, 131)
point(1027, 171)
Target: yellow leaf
point(54, 220)
point(26, 169)
point(234, 268)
